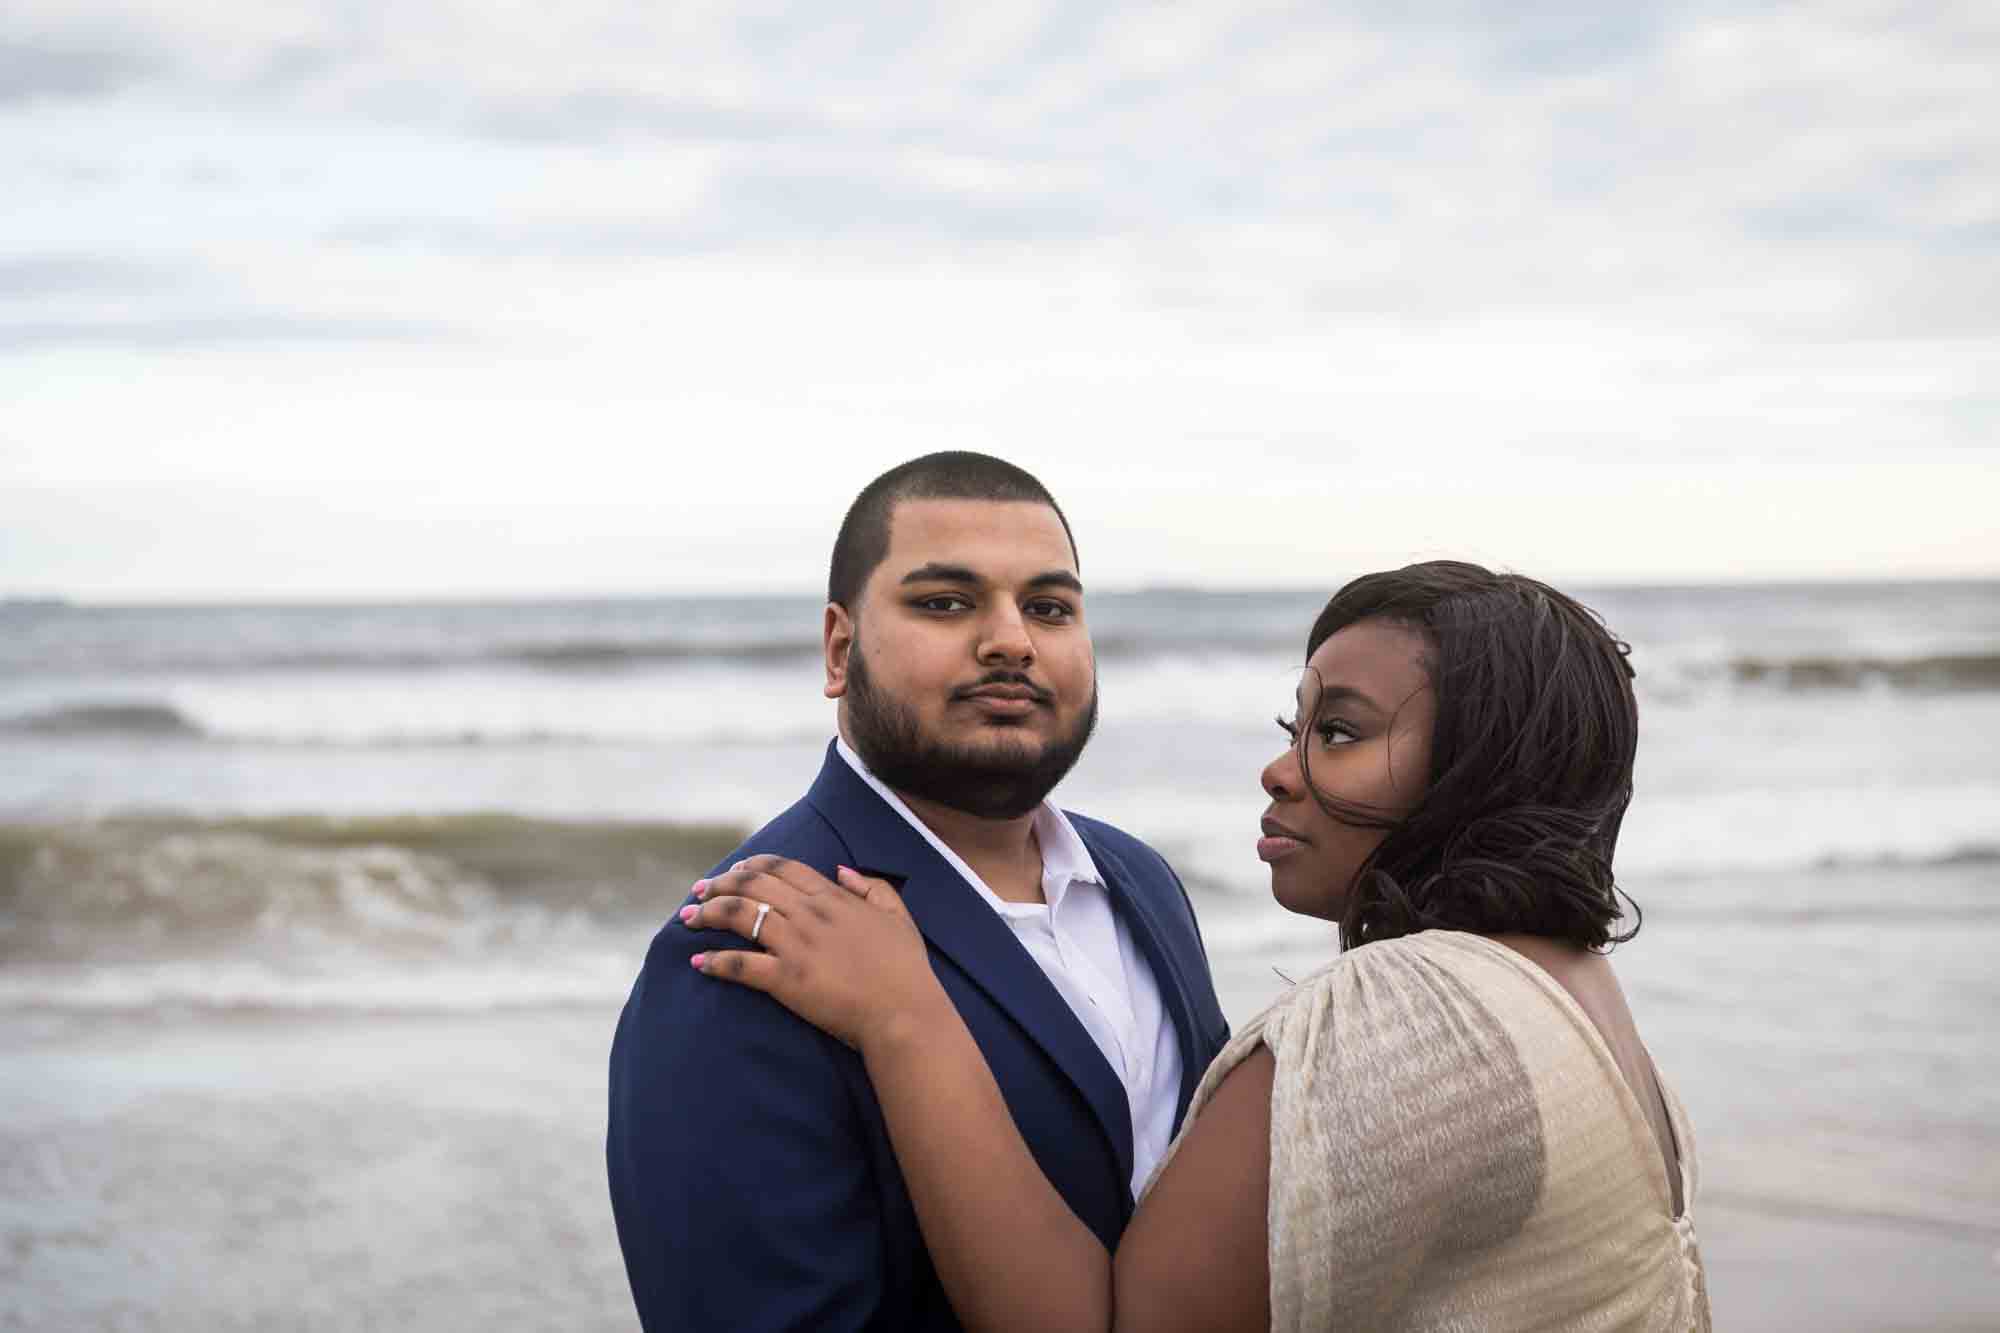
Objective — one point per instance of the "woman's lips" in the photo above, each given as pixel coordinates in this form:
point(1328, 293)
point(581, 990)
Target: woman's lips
point(1276, 849)
point(1278, 841)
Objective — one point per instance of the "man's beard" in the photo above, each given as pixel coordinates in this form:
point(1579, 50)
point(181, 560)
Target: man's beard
point(997, 780)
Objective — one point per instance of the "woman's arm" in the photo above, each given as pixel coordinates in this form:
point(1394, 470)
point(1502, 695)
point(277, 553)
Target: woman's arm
point(1197, 1253)
point(1008, 1249)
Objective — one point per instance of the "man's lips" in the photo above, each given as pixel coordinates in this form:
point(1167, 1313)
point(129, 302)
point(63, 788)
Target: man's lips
point(998, 699)
point(1027, 692)
point(1278, 841)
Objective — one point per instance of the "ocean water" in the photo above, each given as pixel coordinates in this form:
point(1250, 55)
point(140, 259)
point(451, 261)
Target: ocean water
point(437, 812)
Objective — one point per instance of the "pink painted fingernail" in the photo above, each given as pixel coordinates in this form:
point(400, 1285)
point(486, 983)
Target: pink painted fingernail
point(696, 961)
point(687, 913)
point(701, 888)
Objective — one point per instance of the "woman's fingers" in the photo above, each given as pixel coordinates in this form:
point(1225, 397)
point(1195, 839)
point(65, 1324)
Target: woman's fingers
point(731, 880)
point(857, 883)
point(758, 922)
point(786, 885)
point(843, 956)
point(802, 878)
point(758, 971)
point(875, 892)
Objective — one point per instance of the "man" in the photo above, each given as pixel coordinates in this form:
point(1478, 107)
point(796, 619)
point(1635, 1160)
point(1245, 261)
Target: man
point(751, 1175)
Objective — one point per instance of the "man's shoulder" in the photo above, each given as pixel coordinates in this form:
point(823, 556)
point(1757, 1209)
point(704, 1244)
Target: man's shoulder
point(1134, 856)
point(1101, 835)
point(801, 831)
point(674, 1014)
point(1137, 869)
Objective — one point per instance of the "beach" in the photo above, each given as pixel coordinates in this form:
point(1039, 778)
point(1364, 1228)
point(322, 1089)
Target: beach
point(392, 1171)
point(316, 925)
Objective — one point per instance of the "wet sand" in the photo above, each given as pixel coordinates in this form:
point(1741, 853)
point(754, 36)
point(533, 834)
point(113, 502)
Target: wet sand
point(220, 1172)
point(308, 1173)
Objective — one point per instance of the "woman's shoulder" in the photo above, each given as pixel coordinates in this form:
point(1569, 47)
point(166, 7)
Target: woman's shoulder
point(1402, 1120)
point(1431, 1102)
point(1436, 989)
point(1372, 974)
point(1399, 1010)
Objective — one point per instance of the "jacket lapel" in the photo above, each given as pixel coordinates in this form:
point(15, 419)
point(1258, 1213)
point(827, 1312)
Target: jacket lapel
point(959, 924)
point(1142, 917)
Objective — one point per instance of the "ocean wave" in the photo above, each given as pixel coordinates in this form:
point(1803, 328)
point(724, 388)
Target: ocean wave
point(1938, 673)
point(554, 655)
point(402, 913)
point(295, 889)
point(1970, 854)
point(1676, 670)
point(586, 655)
point(139, 718)
point(475, 911)
point(611, 654)
point(159, 720)
point(593, 979)
point(1869, 914)
point(1805, 861)
point(1978, 1226)
point(144, 720)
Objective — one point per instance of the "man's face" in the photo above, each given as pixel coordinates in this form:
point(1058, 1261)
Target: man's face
point(965, 674)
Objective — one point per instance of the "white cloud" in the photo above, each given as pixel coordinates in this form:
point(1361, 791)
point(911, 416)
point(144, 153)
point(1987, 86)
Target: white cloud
point(469, 250)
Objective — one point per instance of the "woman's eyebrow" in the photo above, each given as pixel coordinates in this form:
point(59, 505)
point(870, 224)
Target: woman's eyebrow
point(1344, 694)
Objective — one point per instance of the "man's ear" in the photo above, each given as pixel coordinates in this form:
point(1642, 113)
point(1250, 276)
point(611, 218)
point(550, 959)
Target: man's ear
point(836, 642)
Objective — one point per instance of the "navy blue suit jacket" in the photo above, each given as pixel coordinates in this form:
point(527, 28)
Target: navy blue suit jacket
point(751, 1174)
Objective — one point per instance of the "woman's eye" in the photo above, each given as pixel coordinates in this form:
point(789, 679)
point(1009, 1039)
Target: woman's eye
point(1332, 733)
point(1289, 727)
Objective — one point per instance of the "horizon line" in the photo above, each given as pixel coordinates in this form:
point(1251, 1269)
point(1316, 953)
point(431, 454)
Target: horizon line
point(190, 598)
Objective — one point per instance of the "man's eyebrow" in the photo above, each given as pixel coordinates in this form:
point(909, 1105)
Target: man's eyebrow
point(935, 572)
point(938, 572)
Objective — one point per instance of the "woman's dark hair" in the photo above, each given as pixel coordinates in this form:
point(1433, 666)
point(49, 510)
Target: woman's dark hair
point(1531, 761)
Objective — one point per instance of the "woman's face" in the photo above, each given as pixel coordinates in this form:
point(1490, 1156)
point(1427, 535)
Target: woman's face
point(1363, 723)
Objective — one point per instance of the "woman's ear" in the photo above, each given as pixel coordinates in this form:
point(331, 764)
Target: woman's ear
point(836, 641)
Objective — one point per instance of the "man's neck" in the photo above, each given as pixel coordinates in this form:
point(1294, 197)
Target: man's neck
point(1005, 853)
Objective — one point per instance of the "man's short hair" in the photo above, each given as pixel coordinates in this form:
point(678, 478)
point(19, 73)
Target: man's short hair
point(952, 475)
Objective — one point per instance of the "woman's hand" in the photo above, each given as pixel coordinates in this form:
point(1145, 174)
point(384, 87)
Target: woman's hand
point(845, 956)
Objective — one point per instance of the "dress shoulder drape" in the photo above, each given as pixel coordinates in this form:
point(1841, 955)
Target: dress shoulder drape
point(1453, 1146)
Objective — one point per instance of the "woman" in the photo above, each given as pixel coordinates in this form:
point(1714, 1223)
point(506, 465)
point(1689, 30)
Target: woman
point(1453, 1125)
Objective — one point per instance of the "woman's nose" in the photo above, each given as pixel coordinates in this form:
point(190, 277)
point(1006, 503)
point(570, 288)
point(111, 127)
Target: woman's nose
point(1280, 778)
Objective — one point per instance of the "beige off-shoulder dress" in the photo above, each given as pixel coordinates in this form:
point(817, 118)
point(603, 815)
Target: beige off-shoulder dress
point(1454, 1147)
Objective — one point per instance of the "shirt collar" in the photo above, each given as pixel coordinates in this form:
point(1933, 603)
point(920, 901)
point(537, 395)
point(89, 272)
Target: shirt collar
point(1065, 859)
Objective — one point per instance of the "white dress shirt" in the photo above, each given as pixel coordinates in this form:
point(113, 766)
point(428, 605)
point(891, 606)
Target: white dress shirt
point(1089, 955)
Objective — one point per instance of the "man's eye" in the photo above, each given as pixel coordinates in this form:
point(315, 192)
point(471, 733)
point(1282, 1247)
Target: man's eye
point(942, 602)
point(1049, 609)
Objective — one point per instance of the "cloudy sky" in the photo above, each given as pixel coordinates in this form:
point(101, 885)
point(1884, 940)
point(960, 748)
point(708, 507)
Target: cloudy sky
point(354, 297)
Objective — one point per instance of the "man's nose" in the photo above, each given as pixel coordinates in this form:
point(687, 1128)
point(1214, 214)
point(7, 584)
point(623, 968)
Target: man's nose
point(1004, 636)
